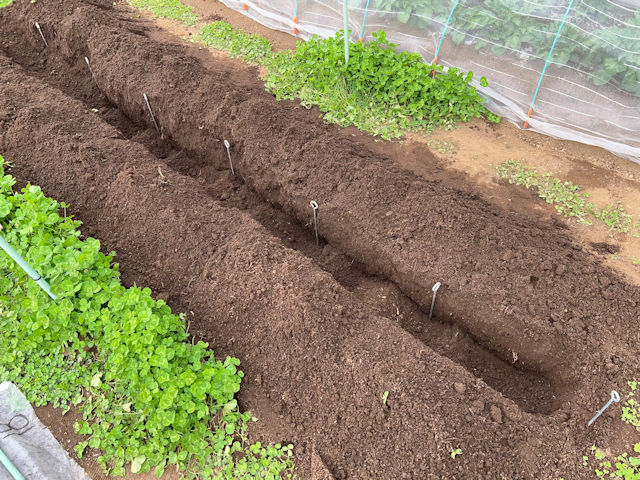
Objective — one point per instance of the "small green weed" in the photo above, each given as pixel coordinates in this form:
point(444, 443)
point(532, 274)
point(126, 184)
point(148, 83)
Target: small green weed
point(252, 49)
point(568, 199)
point(455, 452)
point(624, 466)
point(630, 413)
point(4, 3)
point(385, 395)
point(443, 146)
point(635, 260)
point(615, 217)
point(172, 9)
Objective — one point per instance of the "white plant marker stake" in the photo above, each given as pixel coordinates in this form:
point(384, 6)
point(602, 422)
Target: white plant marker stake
point(615, 397)
point(90, 69)
point(314, 205)
point(434, 289)
point(153, 117)
point(227, 145)
point(42, 35)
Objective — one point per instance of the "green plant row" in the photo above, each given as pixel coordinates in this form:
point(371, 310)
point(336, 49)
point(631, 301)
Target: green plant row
point(146, 394)
point(569, 199)
point(379, 90)
point(593, 42)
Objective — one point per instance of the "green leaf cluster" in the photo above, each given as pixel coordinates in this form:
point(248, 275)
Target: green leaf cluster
point(624, 466)
point(396, 90)
point(146, 394)
point(4, 3)
point(253, 49)
point(568, 199)
point(630, 410)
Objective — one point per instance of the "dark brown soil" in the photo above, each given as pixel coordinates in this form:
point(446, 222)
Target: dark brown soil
point(526, 320)
point(321, 358)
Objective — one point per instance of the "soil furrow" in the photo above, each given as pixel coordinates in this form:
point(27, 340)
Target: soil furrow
point(531, 390)
point(322, 357)
point(521, 288)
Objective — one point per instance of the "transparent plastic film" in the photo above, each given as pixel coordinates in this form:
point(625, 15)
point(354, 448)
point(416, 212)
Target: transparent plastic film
point(566, 68)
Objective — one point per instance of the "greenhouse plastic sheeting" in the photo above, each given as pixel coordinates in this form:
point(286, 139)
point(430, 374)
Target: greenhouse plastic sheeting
point(30, 447)
point(581, 57)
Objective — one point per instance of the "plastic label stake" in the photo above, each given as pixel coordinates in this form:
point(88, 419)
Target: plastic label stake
point(29, 270)
point(615, 397)
point(314, 205)
point(153, 117)
point(90, 69)
point(42, 35)
point(227, 145)
point(434, 289)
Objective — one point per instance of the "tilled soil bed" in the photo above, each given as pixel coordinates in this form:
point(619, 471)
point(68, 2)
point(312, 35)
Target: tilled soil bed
point(530, 332)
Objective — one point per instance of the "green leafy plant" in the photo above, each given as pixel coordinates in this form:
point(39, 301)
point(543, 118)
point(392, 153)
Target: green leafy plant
point(222, 36)
point(624, 466)
point(172, 9)
point(395, 89)
point(443, 146)
point(385, 396)
point(568, 199)
point(145, 393)
point(4, 3)
point(455, 453)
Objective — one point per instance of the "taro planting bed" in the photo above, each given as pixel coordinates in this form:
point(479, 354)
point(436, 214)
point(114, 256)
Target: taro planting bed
point(530, 332)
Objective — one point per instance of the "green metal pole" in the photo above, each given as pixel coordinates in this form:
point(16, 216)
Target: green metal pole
point(35, 276)
point(345, 14)
point(11, 468)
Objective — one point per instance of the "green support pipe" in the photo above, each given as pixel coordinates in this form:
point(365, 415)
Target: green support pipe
point(546, 63)
point(11, 468)
point(345, 14)
point(364, 20)
point(35, 276)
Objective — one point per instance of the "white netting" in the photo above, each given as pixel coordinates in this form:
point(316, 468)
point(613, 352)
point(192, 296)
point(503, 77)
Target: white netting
point(590, 90)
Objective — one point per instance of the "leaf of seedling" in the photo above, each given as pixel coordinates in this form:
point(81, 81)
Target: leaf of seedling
point(136, 465)
point(385, 395)
point(456, 452)
point(96, 380)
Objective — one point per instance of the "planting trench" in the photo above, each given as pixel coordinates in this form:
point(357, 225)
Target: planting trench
point(529, 389)
point(513, 287)
point(323, 358)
